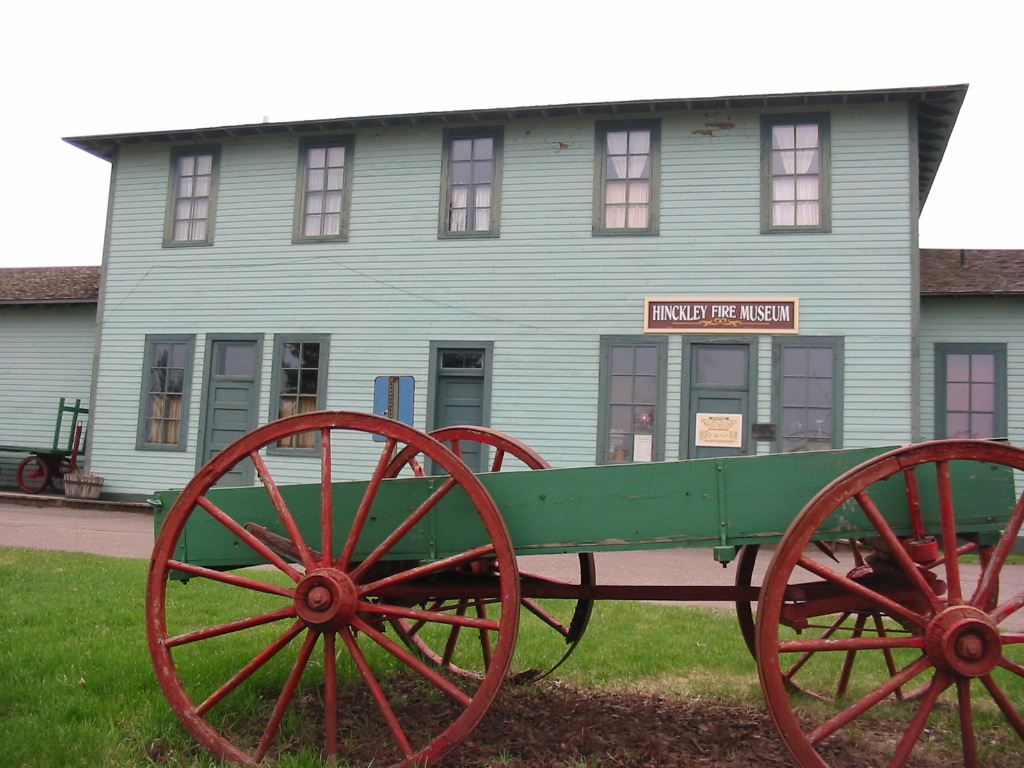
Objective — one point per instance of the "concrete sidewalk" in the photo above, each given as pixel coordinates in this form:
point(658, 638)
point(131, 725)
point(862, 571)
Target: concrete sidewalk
point(41, 521)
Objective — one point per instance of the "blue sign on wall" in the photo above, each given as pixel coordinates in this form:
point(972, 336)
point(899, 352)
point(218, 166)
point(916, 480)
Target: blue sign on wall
point(393, 397)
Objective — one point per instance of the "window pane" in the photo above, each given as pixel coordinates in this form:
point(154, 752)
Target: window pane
point(983, 426)
point(234, 359)
point(462, 149)
point(723, 365)
point(646, 390)
point(983, 368)
point(958, 397)
point(819, 361)
point(958, 425)
point(647, 360)
point(794, 361)
point(958, 367)
point(622, 360)
point(983, 397)
point(783, 136)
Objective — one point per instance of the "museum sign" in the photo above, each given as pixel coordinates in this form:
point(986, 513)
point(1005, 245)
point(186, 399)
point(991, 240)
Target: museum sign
point(722, 315)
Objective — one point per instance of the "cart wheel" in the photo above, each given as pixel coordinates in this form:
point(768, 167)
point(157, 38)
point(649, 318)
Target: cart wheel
point(266, 660)
point(465, 653)
point(886, 627)
point(57, 474)
point(33, 474)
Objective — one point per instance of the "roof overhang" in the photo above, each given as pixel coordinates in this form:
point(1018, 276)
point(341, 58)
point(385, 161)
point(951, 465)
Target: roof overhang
point(937, 110)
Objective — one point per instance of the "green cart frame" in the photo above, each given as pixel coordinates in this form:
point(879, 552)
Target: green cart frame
point(45, 467)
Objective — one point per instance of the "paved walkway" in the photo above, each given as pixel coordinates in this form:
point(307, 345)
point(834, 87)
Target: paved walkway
point(127, 531)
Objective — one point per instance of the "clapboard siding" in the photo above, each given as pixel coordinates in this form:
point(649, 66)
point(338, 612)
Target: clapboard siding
point(48, 353)
point(543, 293)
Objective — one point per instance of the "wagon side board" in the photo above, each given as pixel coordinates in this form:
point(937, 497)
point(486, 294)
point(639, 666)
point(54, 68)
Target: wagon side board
point(718, 502)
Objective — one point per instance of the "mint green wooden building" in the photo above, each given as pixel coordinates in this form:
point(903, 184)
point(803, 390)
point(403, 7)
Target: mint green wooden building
point(610, 282)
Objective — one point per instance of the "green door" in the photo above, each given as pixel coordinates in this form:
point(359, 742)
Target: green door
point(232, 392)
point(460, 387)
point(719, 400)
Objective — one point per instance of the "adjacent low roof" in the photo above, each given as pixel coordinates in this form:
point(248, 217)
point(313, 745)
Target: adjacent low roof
point(937, 110)
point(50, 285)
point(957, 272)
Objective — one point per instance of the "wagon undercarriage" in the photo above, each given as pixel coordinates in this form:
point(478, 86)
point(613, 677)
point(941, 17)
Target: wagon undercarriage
point(881, 598)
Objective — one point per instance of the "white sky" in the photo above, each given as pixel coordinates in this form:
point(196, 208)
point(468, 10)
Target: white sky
point(77, 69)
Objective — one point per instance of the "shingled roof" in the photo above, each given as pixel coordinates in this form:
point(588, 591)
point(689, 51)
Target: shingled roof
point(50, 285)
point(956, 272)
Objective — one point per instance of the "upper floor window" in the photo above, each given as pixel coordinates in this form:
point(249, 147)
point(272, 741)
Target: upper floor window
point(192, 197)
point(300, 384)
point(471, 190)
point(795, 173)
point(627, 160)
point(970, 391)
point(165, 389)
point(324, 178)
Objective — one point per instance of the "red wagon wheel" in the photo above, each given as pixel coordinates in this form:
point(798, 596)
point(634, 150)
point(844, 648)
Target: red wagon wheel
point(943, 632)
point(848, 555)
point(463, 652)
point(33, 474)
point(261, 659)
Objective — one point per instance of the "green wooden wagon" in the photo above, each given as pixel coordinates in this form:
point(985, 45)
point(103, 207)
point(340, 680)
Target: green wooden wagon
point(394, 579)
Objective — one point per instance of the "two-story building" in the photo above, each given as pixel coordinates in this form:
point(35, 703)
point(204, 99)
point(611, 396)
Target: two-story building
point(609, 282)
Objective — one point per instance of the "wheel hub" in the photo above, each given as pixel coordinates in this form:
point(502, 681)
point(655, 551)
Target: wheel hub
point(964, 640)
point(326, 598)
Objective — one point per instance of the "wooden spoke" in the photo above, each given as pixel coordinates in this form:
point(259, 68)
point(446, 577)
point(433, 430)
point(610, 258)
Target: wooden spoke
point(365, 505)
point(230, 578)
point(287, 519)
point(287, 694)
point(232, 525)
point(231, 626)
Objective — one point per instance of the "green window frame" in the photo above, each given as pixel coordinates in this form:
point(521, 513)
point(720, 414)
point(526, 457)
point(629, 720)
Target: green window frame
point(299, 385)
point(323, 193)
point(632, 399)
point(471, 166)
point(192, 196)
point(796, 185)
point(627, 177)
point(166, 393)
point(970, 391)
point(807, 393)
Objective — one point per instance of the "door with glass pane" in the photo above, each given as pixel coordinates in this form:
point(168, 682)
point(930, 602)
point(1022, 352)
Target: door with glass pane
point(719, 400)
point(231, 400)
point(460, 395)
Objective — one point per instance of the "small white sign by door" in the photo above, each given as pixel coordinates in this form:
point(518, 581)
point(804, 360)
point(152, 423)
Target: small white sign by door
point(719, 430)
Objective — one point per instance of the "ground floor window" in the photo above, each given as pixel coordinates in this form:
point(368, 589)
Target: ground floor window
point(632, 399)
point(300, 381)
point(807, 393)
point(166, 381)
point(970, 391)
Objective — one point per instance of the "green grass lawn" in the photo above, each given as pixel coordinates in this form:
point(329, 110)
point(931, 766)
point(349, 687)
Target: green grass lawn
point(77, 687)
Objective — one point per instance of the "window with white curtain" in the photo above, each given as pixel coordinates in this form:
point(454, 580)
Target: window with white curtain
point(166, 381)
point(625, 201)
point(471, 183)
point(325, 172)
point(300, 383)
point(795, 171)
point(192, 196)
